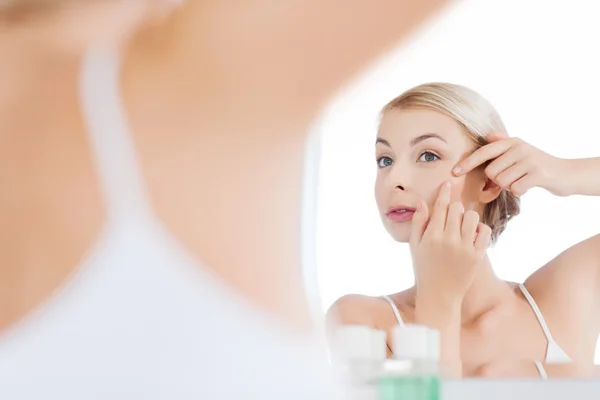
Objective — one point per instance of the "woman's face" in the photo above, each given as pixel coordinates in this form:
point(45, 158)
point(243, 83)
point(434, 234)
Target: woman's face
point(415, 152)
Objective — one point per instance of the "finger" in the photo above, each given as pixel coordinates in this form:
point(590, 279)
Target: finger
point(502, 163)
point(419, 224)
point(481, 155)
point(454, 219)
point(522, 185)
point(507, 178)
point(484, 235)
point(469, 226)
point(440, 209)
point(495, 136)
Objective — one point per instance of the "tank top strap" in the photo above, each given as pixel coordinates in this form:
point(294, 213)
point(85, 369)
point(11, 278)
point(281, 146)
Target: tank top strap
point(554, 353)
point(112, 145)
point(537, 312)
point(394, 309)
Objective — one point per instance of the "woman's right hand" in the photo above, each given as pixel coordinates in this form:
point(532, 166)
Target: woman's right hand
point(447, 247)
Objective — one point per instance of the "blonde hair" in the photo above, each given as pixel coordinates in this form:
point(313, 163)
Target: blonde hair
point(478, 118)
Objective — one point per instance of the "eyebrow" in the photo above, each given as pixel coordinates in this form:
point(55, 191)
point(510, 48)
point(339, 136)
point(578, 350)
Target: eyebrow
point(416, 140)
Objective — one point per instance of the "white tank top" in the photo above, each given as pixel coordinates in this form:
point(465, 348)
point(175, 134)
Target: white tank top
point(554, 353)
point(140, 319)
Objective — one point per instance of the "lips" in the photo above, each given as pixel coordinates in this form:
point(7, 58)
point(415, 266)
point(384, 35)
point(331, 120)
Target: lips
point(401, 213)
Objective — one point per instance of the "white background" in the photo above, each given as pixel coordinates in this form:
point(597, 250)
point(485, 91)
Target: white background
point(537, 62)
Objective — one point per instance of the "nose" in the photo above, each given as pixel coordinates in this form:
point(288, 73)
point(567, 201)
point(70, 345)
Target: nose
point(398, 178)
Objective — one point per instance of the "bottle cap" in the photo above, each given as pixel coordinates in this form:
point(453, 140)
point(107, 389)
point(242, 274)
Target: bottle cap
point(434, 344)
point(378, 345)
point(415, 342)
point(356, 342)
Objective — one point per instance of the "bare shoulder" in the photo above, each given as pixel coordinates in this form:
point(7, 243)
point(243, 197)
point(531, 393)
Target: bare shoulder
point(574, 272)
point(566, 290)
point(355, 309)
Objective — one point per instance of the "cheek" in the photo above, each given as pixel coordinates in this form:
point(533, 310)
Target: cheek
point(458, 191)
point(429, 189)
point(431, 181)
point(380, 191)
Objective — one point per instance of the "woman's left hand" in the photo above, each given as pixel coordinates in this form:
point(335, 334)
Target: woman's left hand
point(517, 166)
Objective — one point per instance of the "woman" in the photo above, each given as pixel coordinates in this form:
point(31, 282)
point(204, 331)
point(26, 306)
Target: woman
point(150, 232)
point(448, 187)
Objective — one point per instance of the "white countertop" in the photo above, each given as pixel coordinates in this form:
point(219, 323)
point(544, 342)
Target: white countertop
point(480, 389)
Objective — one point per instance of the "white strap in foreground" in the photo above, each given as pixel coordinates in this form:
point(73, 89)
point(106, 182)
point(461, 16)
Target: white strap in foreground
point(541, 370)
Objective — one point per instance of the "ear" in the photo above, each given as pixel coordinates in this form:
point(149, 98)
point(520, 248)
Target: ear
point(489, 191)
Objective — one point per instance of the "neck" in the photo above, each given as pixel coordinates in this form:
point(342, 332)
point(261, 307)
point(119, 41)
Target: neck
point(30, 72)
point(254, 177)
point(486, 294)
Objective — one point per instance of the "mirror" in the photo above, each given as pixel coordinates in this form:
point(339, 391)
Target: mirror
point(544, 84)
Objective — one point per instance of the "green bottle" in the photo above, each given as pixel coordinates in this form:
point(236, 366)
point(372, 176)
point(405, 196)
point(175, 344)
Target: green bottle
point(413, 372)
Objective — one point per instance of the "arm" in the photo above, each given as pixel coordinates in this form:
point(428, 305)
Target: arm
point(559, 176)
point(583, 177)
point(536, 168)
point(569, 287)
point(446, 250)
point(445, 316)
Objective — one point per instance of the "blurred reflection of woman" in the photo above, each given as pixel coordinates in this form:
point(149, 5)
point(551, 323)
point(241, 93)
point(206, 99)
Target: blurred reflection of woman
point(150, 220)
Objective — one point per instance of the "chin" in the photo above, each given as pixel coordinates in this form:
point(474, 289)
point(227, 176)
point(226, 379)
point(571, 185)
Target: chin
point(399, 232)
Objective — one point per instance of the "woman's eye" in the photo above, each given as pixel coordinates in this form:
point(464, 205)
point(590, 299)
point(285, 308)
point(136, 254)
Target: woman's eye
point(384, 161)
point(428, 156)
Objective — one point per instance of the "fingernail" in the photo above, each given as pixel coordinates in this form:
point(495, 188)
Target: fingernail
point(457, 170)
point(419, 206)
point(448, 185)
